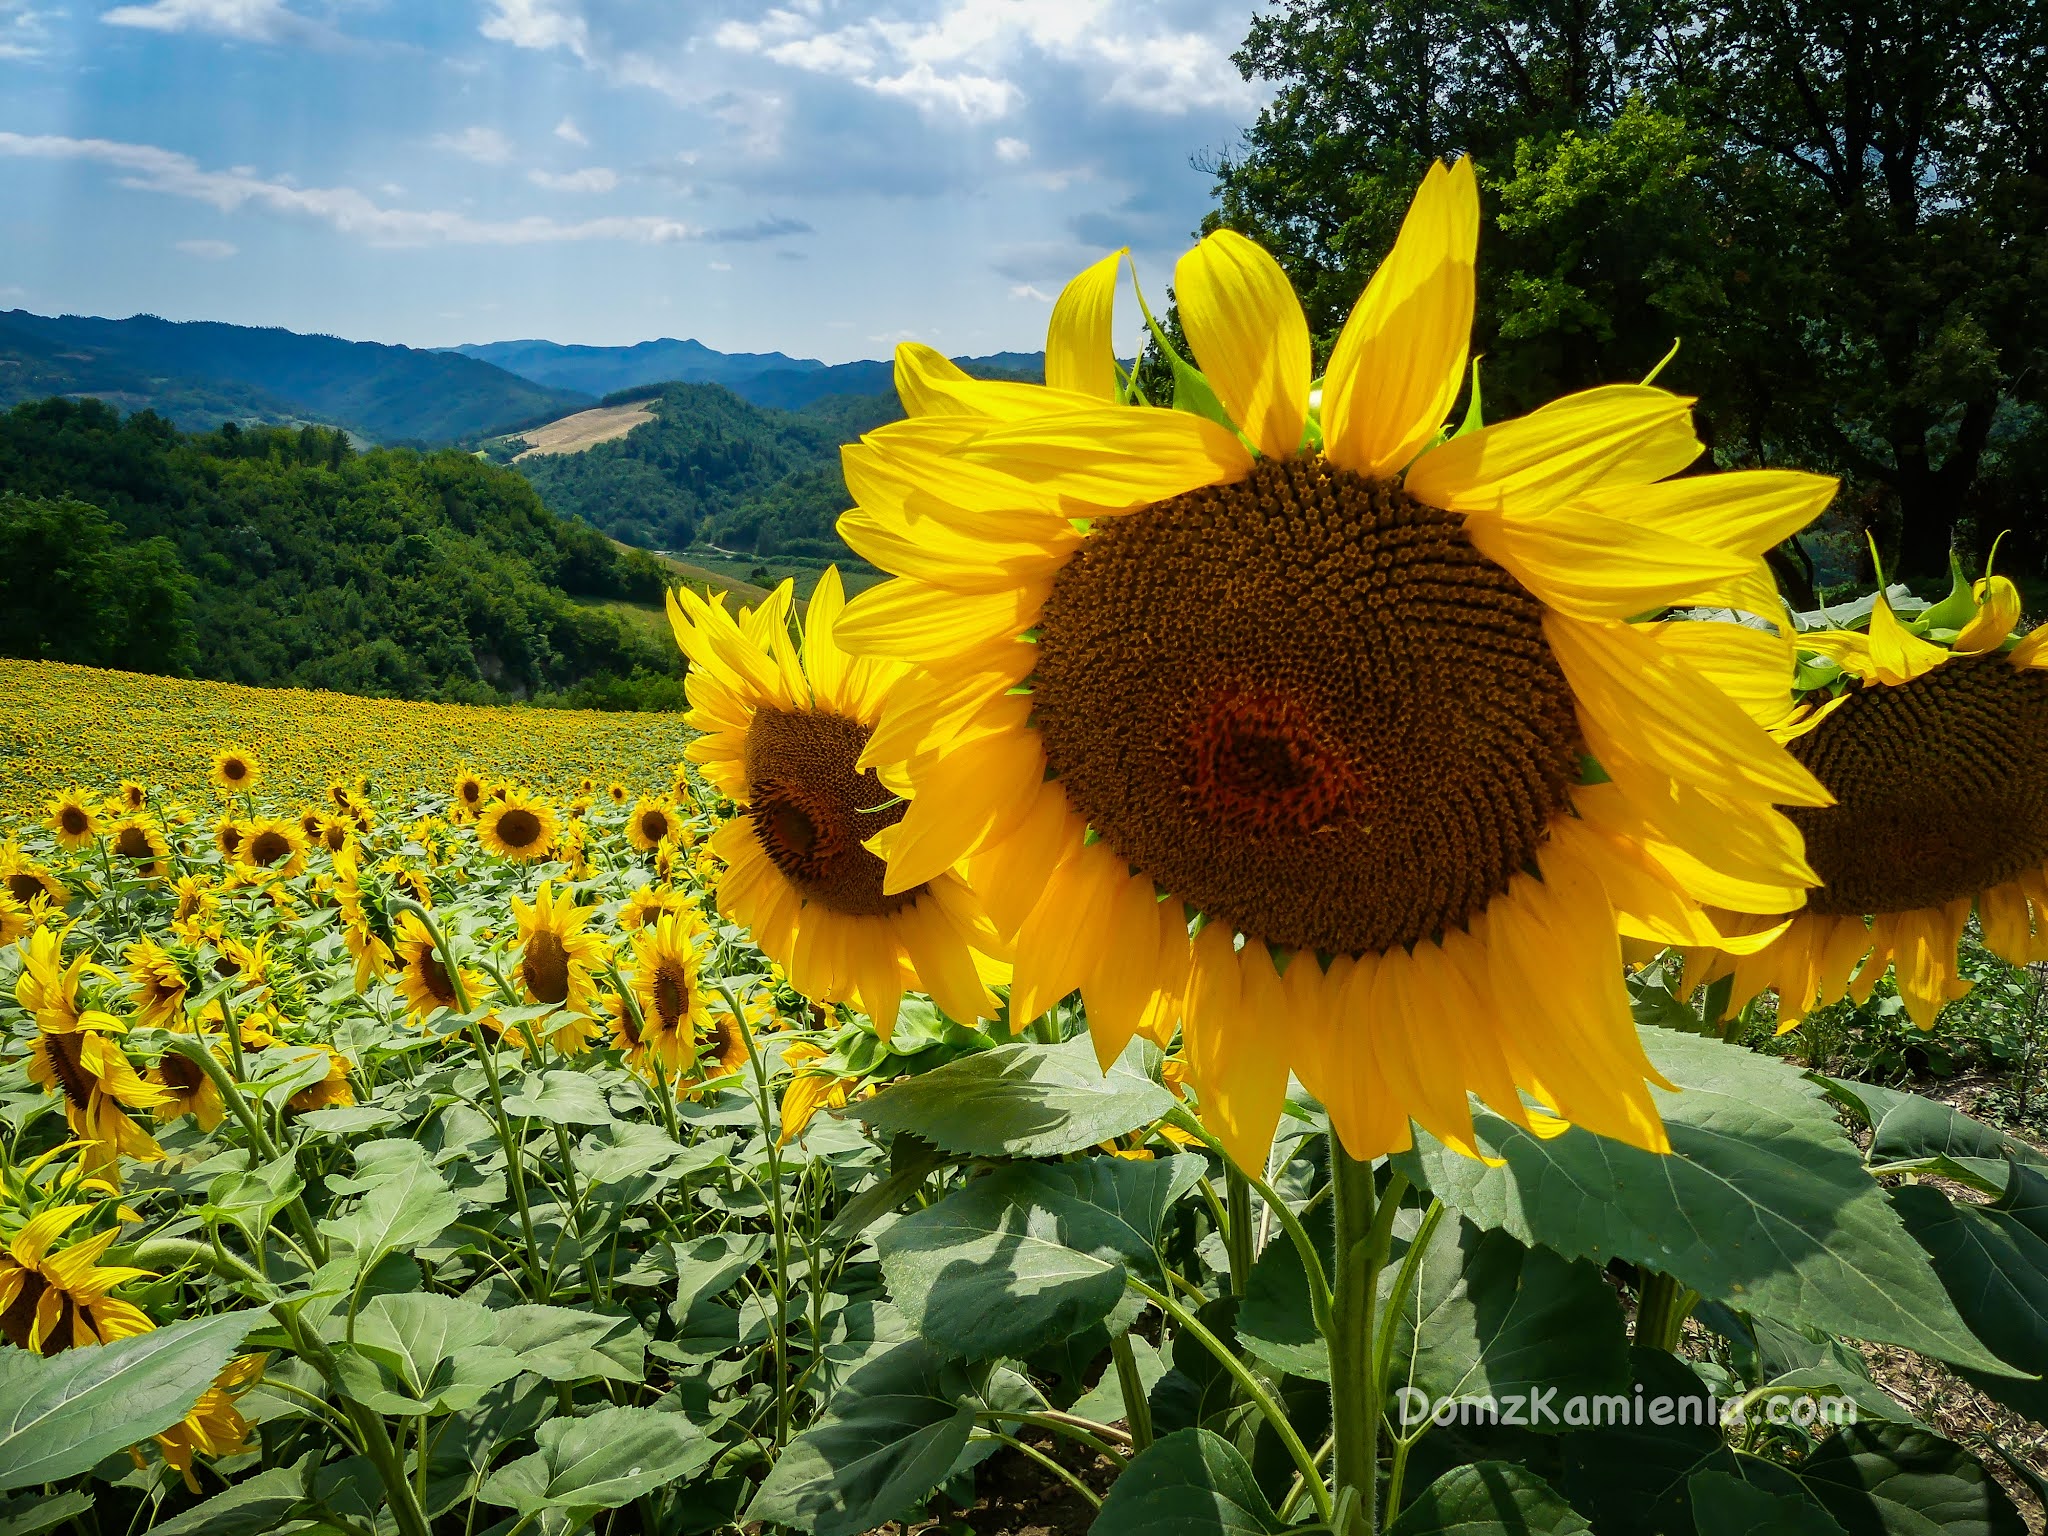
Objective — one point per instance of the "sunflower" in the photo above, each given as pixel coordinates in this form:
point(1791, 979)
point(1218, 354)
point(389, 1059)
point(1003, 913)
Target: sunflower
point(247, 959)
point(366, 943)
point(187, 1090)
point(1361, 698)
point(235, 772)
point(14, 918)
point(671, 1014)
point(215, 1427)
point(652, 823)
point(334, 1091)
point(73, 820)
point(646, 905)
point(278, 848)
point(227, 836)
point(53, 1300)
point(783, 735)
point(558, 957)
point(196, 900)
point(340, 794)
point(48, 987)
point(1934, 755)
point(518, 825)
point(335, 831)
point(427, 986)
point(28, 881)
point(619, 793)
point(98, 1084)
point(811, 1089)
point(158, 985)
point(140, 841)
point(469, 791)
point(133, 796)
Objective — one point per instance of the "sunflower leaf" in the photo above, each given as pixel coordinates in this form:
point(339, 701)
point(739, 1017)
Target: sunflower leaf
point(1189, 1483)
point(1489, 1498)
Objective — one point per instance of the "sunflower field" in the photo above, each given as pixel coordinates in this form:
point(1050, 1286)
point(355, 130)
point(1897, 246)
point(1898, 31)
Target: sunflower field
point(1215, 997)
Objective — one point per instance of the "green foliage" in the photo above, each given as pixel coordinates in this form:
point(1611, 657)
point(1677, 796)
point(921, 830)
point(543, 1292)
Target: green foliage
point(1839, 209)
point(1191, 1483)
point(278, 556)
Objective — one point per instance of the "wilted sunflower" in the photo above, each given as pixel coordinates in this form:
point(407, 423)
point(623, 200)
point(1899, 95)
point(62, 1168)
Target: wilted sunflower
point(140, 841)
point(235, 771)
point(53, 1300)
point(276, 847)
point(1330, 682)
point(98, 1084)
point(672, 1013)
point(782, 738)
point(518, 826)
point(652, 823)
point(27, 880)
point(73, 820)
point(158, 986)
point(559, 956)
point(187, 1090)
point(215, 1427)
point(469, 790)
point(1937, 755)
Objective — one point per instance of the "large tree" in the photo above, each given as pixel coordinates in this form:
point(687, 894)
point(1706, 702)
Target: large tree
point(1840, 208)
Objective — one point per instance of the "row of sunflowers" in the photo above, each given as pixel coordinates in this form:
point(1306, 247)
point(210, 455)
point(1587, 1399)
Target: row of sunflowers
point(1223, 842)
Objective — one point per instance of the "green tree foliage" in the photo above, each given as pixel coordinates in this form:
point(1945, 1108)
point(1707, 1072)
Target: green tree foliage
point(1839, 206)
point(710, 468)
point(282, 556)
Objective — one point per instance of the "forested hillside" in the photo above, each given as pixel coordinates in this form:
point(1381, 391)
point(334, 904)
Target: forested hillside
point(282, 556)
point(712, 469)
point(199, 374)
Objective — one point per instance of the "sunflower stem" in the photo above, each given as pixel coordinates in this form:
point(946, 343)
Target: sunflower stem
point(1137, 1406)
point(1662, 1306)
point(1364, 1231)
point(1240, 1234)
point(771, 1134)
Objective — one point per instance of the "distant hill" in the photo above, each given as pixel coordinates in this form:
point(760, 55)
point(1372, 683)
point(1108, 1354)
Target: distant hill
point(711, 468)
point(198, 374)
point(284, 556)
point(761, 378)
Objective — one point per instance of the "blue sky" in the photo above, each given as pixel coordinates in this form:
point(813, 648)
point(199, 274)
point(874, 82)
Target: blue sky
point(824, 177)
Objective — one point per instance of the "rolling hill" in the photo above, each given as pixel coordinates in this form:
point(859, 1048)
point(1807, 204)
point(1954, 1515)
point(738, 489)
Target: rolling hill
point(200, 373)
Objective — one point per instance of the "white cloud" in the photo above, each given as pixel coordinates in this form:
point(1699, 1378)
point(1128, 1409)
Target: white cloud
point(1030, 291)
point(22, 33)
point(1012, 151)
point(146, 167)
point(262, 21)
point(539, 24)
point(568, 132)
point(208, 250)
point(719, 266)
point(486, 146)
point(592, 178)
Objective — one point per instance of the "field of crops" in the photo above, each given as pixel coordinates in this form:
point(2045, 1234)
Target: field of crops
point(60, 724)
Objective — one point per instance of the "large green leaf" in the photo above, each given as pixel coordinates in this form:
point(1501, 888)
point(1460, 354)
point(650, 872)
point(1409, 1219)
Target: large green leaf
point(1022, 1100)
point(1104, 1402)
point(570, 1344)
point(1994, 1261)
point(890, 1435)
point(1725, 1505)
point(1020, 1259)
point(1908, 1131)
point(1885, 1480)
point(423, 1353)
point(601, 1461)
point(1762, 1203)
point(1490, 1498)
point(1189, 1483)
point(253, 1507)
point(59, 1416)
point(562, 1098)
point(406, 1203)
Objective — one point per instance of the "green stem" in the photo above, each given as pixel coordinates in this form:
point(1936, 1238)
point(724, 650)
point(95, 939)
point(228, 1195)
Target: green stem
point(196, 1050)
point(1662, 1306)
point(771, 1135)
point(1240, 1234)
point(1404, 1283)
point(1253, 1389)
point(1046, 1461)
point(406, 1512)
point(1364, 1226)
point(1137, 1407)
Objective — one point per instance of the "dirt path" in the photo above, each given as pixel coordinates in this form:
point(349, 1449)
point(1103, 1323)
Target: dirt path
point(573, 434)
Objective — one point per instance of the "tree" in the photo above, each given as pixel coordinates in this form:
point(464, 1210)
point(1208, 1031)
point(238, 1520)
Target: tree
point(70, 591)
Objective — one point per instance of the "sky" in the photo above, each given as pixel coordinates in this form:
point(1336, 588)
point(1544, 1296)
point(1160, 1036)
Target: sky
point(823, 178)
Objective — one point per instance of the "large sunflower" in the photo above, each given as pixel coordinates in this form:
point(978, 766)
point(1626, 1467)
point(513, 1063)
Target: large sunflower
point(73, 820)
point(54, 1298)
point(668, 987)
point(99, 1085)
point(1937, 755)
point(140, 842)
point(783, 735)
point(558, 957)
point(516, 825)
point(274, 846)
point(235, 771)
point(1360, 703)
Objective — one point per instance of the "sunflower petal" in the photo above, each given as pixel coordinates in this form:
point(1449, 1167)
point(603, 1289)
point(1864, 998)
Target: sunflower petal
point(1249, 336)
point(1079, 355)
point(1115, 457)
point(1596, 567)
point(1745, 511)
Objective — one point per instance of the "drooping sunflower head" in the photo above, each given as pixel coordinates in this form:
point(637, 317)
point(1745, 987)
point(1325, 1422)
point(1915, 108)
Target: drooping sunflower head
point(215, 1426)
point(785, 724)
point(139, 842)
point(1310, 723)
point(54, 1297)
point(158, 985)
point(334, 1091)
point(276, 847)
point(73, 819)
point(187, 1090)
point(652, 823)
point(424, 980)
point(1929, 734)
point(518, 826)
point(235, 771)
point(14, 918)
point(557, 955)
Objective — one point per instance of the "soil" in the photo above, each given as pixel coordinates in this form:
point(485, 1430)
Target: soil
point(1018, 1497)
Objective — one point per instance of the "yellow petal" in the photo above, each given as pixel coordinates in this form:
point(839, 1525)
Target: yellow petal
point(1249, 337)
point(1596, 567)
point(1997, 613)
point(932, 553)
point(1079, 353)
point(1236, 1050)
point(1897, 655)
point(1400, 359)
point(909, 619)
point(1618, 435)
point(1114, 458)
point(930, 385)
point(1746, 511)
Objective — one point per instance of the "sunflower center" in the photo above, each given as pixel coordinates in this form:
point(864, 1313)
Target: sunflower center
point(66, 1055)
point(268, 847)
point(671, 995)
point(518, 828)
point(1941, 788)
point(654, 826)
point(234, 770)
point(181, 1074)
point(133, 843)
point(74, 821)
point(24, 888)
point(1306, 706)
point(435, 975)
point(19, 1320)
point(812, 810)
point(545, 967)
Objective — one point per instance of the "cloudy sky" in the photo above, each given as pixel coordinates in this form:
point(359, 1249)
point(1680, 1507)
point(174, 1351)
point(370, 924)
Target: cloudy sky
point(824, 178)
